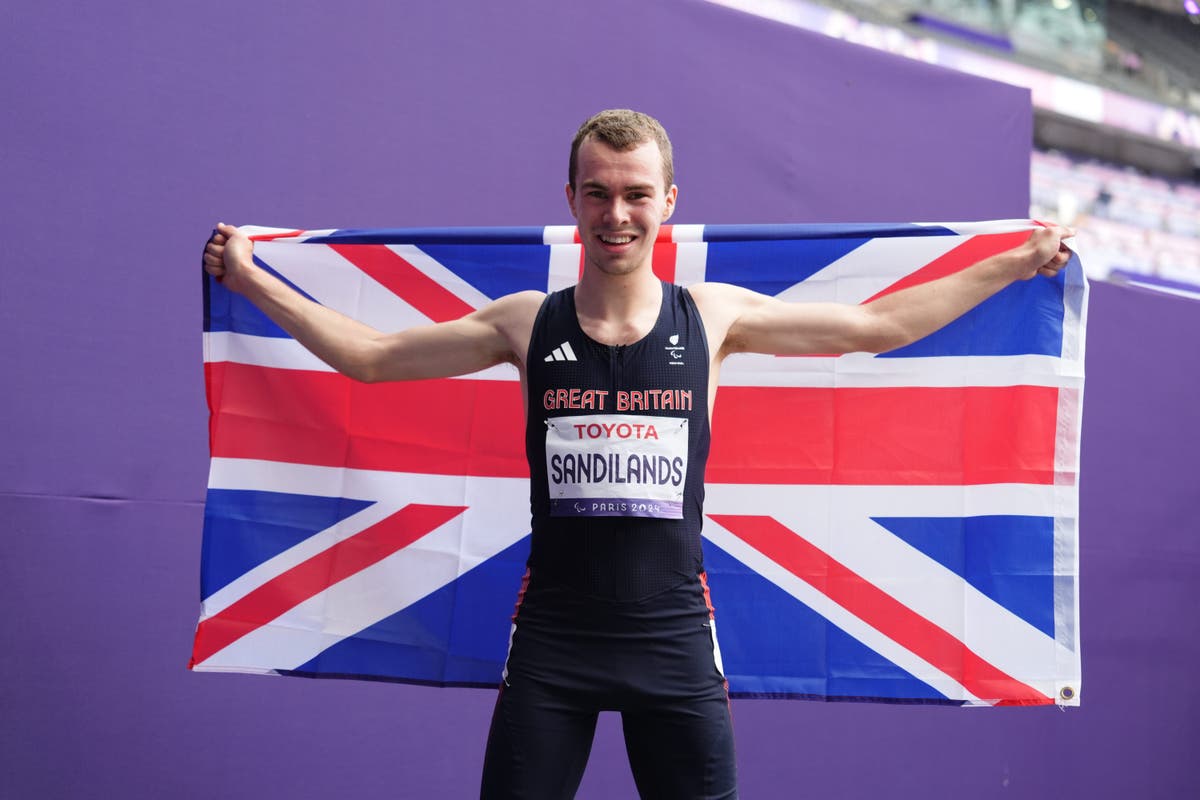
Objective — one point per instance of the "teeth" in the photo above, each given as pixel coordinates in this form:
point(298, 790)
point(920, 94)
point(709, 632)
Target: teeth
point(616, 239)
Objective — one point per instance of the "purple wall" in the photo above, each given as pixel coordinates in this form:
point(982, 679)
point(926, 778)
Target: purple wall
point(128, 130)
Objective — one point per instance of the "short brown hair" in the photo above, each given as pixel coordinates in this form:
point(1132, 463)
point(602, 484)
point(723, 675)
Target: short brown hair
point(622, 129)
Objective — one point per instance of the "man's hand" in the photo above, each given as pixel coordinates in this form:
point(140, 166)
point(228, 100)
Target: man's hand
point(228, 254)
point(1044, 252)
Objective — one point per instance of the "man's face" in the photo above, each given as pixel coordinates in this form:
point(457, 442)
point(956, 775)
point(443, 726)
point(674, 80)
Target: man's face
point(619, 202)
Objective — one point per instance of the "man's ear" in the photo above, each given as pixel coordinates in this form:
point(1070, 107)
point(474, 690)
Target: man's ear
point(672, 194)
point(571, 200)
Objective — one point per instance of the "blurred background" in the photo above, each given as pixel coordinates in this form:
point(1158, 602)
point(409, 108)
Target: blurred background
point(130, 128)
point(1116, 95)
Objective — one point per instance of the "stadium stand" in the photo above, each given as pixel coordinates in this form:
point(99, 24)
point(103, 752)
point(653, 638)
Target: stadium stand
point(1170, 42)
point(1135, 202)
point(1127, 221)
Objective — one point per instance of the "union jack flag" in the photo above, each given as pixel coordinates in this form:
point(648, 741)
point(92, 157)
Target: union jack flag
point(899, 527)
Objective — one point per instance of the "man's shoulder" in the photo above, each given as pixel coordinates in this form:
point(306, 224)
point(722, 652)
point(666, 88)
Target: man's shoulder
point(517, 303)
point(720, 306)
point(515, 313)
point(524, 298)
point(725, 294)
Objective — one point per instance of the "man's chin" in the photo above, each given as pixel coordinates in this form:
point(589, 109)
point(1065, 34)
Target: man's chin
point(616, 266)
point(618, 263)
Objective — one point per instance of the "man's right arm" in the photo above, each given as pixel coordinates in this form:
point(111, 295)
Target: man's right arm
point(495, 334)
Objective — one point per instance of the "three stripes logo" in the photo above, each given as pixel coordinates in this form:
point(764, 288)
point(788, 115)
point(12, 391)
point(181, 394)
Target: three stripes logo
point(562, 353)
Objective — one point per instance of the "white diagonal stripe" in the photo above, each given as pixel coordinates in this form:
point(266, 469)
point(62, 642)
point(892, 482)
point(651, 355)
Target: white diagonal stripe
point(849, 623)
point(366, 597)
point(496, 503)
point(446, 278)
point(837, 519)
point(869, 269)
point(334, 282)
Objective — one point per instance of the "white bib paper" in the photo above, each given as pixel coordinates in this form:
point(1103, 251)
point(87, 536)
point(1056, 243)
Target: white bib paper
point(616, 465)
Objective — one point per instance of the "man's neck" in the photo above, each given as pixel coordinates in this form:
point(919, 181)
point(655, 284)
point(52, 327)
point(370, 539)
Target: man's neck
point(618, 309)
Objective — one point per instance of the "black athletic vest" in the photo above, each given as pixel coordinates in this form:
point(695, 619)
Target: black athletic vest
point(617, 438)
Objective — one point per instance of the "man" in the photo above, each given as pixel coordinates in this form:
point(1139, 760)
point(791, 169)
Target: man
point(619, 374)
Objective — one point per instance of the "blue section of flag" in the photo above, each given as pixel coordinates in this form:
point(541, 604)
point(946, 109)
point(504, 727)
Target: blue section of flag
point(232, 313)
point(226, 311)
point(244, 528)
point(758, 637)
point(495, 269)
point(771, 267)
point(1008, 558)
point(988, 329)
point(456, 635)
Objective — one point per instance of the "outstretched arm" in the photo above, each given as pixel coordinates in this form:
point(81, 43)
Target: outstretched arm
point(748, 322)
point(492, 335)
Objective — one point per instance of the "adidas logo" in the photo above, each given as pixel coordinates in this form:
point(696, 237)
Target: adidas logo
point(562, 353)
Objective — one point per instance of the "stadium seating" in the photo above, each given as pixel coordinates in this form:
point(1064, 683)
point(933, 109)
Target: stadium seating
point(1126, 220)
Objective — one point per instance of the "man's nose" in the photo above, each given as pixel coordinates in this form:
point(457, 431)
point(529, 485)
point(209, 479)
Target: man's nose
point(617, 211)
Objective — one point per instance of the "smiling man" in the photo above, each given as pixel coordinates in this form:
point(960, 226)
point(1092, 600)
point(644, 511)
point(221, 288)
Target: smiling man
point(619, 373)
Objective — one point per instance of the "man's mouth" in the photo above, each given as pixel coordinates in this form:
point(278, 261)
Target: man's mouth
point(616, 239)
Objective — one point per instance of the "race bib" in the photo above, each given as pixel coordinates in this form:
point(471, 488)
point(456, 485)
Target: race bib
point(616, 465)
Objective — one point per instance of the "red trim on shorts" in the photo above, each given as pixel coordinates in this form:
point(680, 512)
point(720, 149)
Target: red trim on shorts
point(712, 612)
point(712, 615)
point(521, 594)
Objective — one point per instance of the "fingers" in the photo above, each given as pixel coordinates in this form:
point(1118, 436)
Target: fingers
point(1064, 250)
point(1045, 238)
point(213, 264)
point(1056, 233)
point(1051, 248)
point(222, 233)
point(1055, 264)
point(1063, 231)
point(213, 258)
point(215, 246)
point(225, 251)
point(1060, 258)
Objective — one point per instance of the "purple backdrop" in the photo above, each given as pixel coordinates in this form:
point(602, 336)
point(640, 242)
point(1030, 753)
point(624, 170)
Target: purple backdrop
point(129, 129)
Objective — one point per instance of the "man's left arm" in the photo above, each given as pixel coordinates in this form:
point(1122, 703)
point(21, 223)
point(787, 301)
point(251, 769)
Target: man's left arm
point(755, 323)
